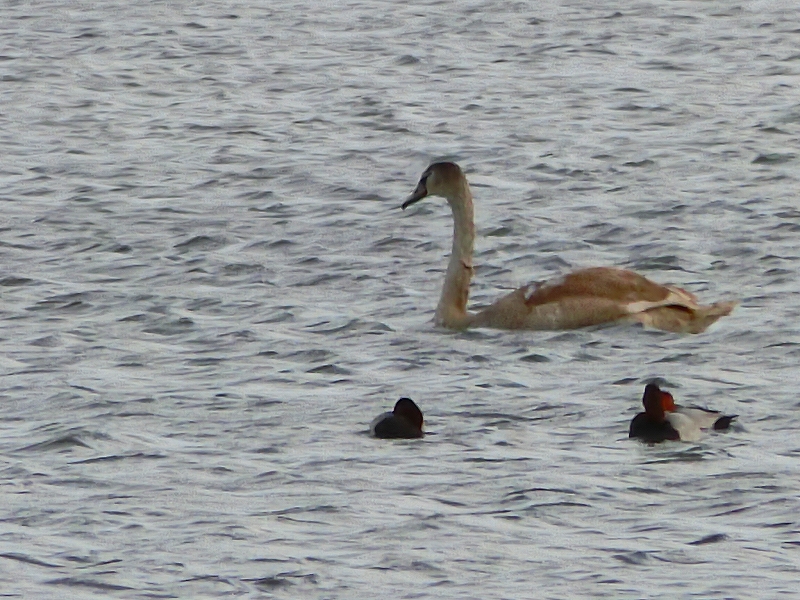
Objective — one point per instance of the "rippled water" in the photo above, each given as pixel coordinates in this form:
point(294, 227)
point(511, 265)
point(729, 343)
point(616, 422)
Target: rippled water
point(209, 290)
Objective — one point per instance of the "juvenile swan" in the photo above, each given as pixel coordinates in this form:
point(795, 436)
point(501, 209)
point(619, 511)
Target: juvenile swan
point(580, 299)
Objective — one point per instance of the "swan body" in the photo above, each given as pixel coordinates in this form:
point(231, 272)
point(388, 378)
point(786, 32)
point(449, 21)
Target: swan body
point(581, 299)
point(405, 421)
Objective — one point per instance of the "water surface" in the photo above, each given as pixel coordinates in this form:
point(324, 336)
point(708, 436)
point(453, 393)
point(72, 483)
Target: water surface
point(209, 290)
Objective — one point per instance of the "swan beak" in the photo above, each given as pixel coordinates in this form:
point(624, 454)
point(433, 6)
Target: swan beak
point(418, 194)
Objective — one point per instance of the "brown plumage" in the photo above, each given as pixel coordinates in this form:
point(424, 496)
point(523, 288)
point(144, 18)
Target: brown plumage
point(582, 298)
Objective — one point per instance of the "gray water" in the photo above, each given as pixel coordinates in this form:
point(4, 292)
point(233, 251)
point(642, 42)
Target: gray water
point(209, 290)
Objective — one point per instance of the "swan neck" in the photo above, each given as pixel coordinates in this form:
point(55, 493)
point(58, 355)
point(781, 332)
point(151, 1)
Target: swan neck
point(463, 226)
point(452, 309)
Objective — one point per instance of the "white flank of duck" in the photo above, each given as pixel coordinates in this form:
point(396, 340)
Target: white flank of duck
point(702, 418)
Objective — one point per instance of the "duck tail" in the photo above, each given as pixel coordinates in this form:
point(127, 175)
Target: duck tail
point(724, 423)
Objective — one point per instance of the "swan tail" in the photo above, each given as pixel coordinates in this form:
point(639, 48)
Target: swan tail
point(684, 319)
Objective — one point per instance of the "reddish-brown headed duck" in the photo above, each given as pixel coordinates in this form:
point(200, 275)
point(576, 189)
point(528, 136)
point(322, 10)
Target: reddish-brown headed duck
point(652, 424)
point(405, 421)
point(665, 420)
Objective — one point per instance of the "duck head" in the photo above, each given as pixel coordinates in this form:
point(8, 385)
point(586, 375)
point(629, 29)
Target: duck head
point(653, 402)
point(407, 409)
point(652, 390)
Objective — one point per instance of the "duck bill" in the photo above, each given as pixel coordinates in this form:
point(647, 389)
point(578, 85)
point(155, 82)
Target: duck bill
point(418, 194)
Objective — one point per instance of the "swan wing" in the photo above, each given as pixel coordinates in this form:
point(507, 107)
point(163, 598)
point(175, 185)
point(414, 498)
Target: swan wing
point(626, 288)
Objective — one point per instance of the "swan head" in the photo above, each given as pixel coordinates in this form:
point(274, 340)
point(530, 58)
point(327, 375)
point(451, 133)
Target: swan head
point(440, 179)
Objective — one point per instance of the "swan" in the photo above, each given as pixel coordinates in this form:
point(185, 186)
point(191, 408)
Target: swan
point(580, 299)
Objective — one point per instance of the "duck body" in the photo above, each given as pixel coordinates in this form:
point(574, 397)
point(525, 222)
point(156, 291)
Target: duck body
point(703, 418)
point(654, 425)
point(707, 419)
point(404, 422)
point(652, 430)
point(580, 299)
point(664, 420)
